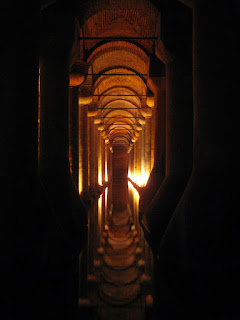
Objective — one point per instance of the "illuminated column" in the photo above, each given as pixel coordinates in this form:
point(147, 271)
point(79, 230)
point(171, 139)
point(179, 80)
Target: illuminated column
point(92, 160)
point(96, 135)
point(85, 98)
point(142, 154)
point(100, 169)
point(136, 173)
point(83, 151)
point(103, 182)
point(92, 112)
point(73, 135)
point(148, 145)
point(131, 172)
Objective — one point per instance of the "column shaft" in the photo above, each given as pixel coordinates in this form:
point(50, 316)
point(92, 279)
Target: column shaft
point(54, 140)
point(179, 124)
point(83, 150)
point(199, 245)
point(92, 160)
point(158, 171)
point(148, 145)
point(54, 114)
point(73, 135)
point(23, 210)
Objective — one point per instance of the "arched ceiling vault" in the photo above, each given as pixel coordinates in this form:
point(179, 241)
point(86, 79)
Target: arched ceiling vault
point(118, 37)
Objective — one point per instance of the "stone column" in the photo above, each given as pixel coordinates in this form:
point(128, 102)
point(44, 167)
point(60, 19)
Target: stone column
point(200, 244)
point(157, 85)
point(56, 42)
point(148, 145)
point(103, 178)
point(178, 138)
point(179, 120)
point(83, 151)
point(23, 221)
point(96, 135)
point(73, 135)
point(135, 192)
point(92, 160)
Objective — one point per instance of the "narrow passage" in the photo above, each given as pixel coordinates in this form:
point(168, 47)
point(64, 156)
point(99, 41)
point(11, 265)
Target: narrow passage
point(121, 276)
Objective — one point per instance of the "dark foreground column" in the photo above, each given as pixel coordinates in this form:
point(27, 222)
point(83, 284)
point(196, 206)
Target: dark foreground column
point(68, 224)
point(74, 135)
point(178, 149)
point(54, 162)
point(23, 218)
point(157, 85)
point(198, 254)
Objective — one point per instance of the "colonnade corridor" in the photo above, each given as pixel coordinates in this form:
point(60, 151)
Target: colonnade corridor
point(118, 279)
point(119, 160)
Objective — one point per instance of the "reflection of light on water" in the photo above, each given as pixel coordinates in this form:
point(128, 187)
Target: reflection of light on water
point(80, 187)
point(106, 198)
point(133, 191)
point(106, 167)
point(139, 178)
point(100, 200)
point(100, 175)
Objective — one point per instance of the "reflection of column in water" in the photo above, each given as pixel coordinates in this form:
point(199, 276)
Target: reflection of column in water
point(91, 240)
point(106, 206)
point(100, 202)
point(136, 207)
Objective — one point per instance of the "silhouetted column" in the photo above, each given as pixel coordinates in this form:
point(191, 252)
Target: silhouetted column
point(179, 120)
point(73, 135)
point(158, 172)
point(23, 220)
point(56, 42)
point(199, 245)
point(178, 148)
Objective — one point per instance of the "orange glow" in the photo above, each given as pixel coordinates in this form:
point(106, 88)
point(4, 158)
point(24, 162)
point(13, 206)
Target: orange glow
point(134, 191)
point(100, 179)
point(100, 200)
point(139, 178)
point(80, 183)
point(106, 167)
point(100, 167)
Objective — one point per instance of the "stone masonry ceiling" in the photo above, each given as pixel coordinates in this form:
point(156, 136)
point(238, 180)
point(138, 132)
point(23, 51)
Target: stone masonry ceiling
point(115, 37)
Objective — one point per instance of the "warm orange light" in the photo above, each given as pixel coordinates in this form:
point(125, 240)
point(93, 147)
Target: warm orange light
point(80, 183)
point(134, 191)
point(100, 180)
point(100, 200)
point(139, 178)
point(106, 171)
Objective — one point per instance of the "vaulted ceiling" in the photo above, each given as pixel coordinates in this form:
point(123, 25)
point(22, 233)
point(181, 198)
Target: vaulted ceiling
point(118, 38)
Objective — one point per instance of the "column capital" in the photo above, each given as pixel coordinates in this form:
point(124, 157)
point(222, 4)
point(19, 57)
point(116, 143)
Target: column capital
point(146, 111)
point(78, 73)
point(157, 84)
point(85, 95)
point(156, 74)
